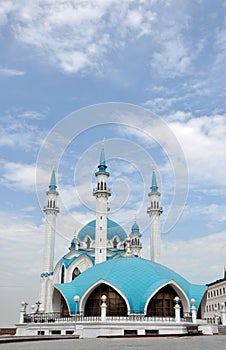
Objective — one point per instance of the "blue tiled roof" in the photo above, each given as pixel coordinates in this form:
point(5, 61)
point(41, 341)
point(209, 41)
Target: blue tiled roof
point(113, 229)
point(136, 278)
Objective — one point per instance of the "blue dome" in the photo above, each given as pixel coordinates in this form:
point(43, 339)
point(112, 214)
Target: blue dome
point(113, 229)
point(135, 229)
point(136, 278)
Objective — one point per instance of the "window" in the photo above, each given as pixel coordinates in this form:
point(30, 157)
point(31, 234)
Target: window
point(162, 304)
point(223, 290)
point(116, 305)
point(62, 274)
point(101, 228)
point(100, 217)
point(75, 273)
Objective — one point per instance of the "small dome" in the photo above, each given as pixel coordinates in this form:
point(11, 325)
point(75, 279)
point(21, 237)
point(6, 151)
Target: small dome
point(135, 229)
point(113, 229)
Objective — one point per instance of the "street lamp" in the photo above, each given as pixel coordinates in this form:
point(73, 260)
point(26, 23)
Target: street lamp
point(23, 311)
point(38, 303)
point(76, 300)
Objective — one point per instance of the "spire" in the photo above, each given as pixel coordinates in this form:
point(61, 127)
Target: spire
point(154, 187)
point(102, 166)
point(52, 185)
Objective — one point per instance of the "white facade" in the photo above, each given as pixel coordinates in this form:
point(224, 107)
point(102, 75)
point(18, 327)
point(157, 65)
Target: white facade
point(215, 300)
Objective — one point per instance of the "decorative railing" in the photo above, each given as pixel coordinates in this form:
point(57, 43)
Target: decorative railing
point(57, 317)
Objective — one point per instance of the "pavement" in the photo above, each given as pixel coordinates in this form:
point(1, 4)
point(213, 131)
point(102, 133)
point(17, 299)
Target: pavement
point(217, 342)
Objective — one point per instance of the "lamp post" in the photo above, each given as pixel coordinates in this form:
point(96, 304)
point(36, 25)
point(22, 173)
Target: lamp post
point(23, 310)
point(177, 309)
point(193, 311)
point(103, 308)
point(76, 300)
point(38, 303)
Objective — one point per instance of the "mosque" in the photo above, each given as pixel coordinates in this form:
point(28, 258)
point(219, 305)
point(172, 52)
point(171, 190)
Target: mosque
point(102, 286)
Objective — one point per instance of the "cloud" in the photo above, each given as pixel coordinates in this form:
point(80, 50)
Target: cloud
point(18, 130)
point(200, 260)
point(202, 141)
point(21, 176)
point(11, 72)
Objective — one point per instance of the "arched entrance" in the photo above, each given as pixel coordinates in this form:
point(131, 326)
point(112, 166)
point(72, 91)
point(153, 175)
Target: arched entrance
point(116, 305)
point(162, 304)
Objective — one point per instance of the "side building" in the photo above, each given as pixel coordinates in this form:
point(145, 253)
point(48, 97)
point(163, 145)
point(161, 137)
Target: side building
point(216, 300)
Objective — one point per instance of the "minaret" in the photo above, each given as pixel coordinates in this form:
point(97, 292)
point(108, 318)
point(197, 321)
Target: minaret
point(102, 193)
point(135, 237)
point(154, 212)
point(51, 211)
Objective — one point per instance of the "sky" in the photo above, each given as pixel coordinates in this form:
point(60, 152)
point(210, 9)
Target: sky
point(146, 76)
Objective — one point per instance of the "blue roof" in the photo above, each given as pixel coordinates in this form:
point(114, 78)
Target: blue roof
point(113, 229)
point(135, 229)
point(136, 278)
point(154, 186)
point(52, 185)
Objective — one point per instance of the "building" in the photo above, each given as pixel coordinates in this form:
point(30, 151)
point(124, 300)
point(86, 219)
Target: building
point(102, 286)
point(216, 300)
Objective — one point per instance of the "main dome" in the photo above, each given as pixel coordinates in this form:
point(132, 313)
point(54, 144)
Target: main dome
point(113, 229)
point(136, 278)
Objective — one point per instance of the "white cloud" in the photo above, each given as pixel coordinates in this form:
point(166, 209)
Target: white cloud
point(79, 36)
point(200, 260)
point(18, 130)
point(202, 140)
point(22, 176)
point(11, 72)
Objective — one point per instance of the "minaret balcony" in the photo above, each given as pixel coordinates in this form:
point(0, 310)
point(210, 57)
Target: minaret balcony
point(106, 191)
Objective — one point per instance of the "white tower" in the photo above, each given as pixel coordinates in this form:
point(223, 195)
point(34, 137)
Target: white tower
point(154, 212)
point(102, 193)
point(135, 239)
point(51, 211)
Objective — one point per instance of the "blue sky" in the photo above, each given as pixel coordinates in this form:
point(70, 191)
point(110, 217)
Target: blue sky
point(59, 57)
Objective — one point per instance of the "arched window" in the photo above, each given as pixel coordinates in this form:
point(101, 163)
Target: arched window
point(50, 204)
point(62, 274)
point(162, 304)
point(105, 186)
point(101, 185)
point(88, 242)
point(98, 186)
point(75, 273)
point(116, 305)
point(115, 243)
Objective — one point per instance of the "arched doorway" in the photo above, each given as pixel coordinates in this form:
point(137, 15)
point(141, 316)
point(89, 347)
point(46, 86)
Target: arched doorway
point(162, 304)
point(116, 305)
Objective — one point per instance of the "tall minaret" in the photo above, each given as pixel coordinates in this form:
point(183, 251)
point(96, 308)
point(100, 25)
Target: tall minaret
point(51, 211)
point(102, 193)
point(154, 212)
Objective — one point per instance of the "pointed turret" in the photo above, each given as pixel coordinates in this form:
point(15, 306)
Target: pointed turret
point(102, 166)
point(154, 187)
point(102, 193)
point(135, 238)
point(154, 212)
point(52, 185)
